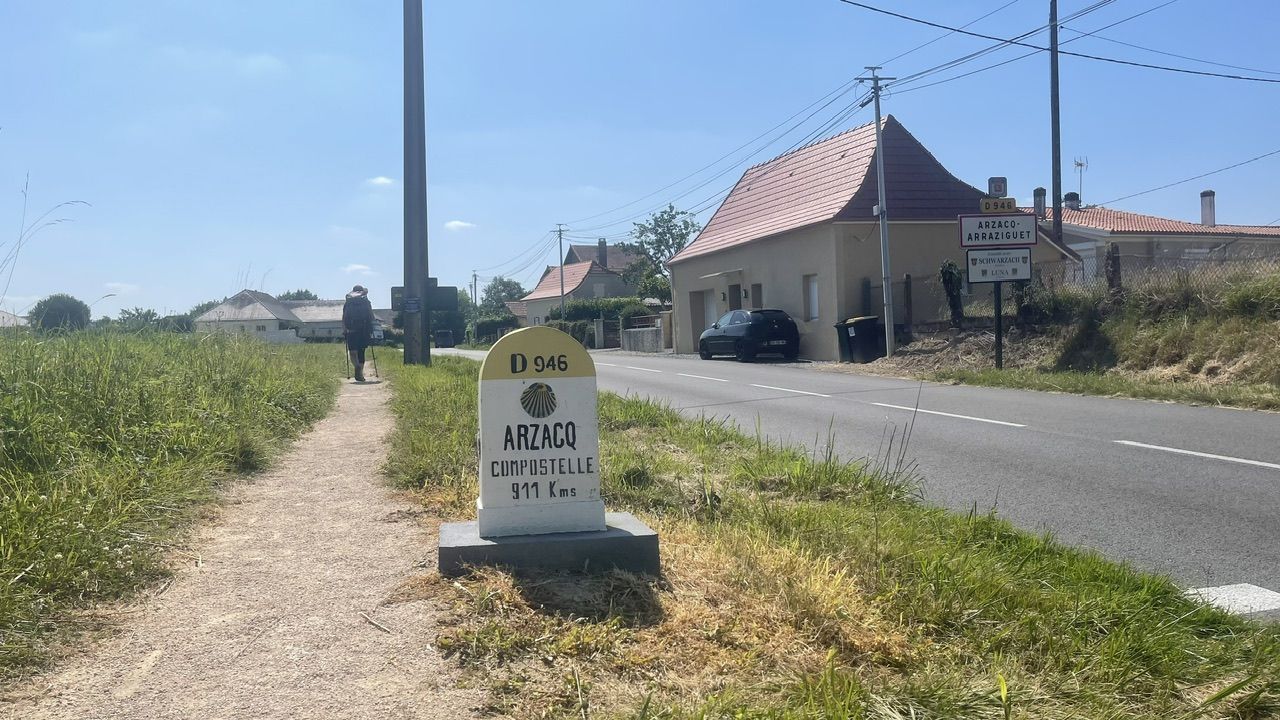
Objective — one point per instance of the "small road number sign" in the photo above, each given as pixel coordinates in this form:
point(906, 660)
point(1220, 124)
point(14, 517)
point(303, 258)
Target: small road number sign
point(1014, 229)
point(998, 186)
point(999, 205)
point(989, 266)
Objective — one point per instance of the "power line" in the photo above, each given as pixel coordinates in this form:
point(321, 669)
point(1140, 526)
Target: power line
point(1170, 54)
point(993, 66)
point(1195, 177)
point(1060, 52)
point(947, 34)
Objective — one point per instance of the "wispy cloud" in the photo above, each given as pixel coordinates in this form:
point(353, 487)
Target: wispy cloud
point(107, 37)
point(122, 288)
point(358, 269)
point(458, 225)
point(380, 181)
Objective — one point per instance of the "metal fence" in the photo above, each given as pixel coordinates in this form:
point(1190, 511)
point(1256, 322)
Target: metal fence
point(1208, 275)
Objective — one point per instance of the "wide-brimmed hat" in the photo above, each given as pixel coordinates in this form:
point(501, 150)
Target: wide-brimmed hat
point(359, 289)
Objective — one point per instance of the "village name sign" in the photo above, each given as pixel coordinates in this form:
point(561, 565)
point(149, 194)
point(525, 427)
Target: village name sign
point(539, 454)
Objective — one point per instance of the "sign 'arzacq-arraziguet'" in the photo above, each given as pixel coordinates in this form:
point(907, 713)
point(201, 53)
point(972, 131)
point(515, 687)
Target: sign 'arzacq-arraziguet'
point(539, 437)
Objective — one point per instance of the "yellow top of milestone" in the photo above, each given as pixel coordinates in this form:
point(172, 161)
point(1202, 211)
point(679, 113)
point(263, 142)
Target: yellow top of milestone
point(536, 353)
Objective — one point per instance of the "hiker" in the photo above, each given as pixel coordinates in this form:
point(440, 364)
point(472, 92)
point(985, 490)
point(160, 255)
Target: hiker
point(357, 326)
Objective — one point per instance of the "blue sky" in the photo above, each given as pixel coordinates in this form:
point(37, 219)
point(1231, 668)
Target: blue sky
point(230, 143)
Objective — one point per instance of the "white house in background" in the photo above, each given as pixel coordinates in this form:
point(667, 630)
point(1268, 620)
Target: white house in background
point(289, 321)
point(582, 281)
point(8, 319)
point(1149, 240)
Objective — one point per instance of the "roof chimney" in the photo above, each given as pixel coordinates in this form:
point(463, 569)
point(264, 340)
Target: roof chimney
point(1071, 200)
point(1039, 194)
point(602, 253)
point(1208, 213)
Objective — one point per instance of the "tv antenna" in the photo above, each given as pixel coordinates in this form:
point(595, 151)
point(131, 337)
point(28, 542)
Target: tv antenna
point(1082, 164)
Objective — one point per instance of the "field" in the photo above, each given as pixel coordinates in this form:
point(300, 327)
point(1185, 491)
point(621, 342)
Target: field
point(109, 443)
point(799, 585)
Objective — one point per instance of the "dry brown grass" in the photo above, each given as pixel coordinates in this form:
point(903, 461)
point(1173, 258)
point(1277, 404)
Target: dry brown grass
point(729, 611)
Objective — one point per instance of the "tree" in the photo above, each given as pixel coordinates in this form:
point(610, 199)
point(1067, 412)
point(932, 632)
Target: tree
point(455, 320)
point(666, 233)
point(499, 291)
point(204, 307)
point(60, 311)
point(136, 319)
point(297, 295)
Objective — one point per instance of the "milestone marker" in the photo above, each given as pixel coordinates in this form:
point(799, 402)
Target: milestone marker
point(540, 503)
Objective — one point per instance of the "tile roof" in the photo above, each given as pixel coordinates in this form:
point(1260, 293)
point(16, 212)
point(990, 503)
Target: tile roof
point(248, 305)
point(520, 308)
point(1121, 222)
point(835, 179)
point(618, 259)
point(574, 276)
point(315, 310)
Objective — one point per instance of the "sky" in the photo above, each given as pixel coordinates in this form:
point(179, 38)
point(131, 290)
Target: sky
point(226, 144)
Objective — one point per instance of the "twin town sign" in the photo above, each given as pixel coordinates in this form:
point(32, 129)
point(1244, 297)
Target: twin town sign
point(998, 246)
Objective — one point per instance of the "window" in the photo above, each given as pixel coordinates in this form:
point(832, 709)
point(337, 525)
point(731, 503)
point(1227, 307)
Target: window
point(810, 297)
point(598, 289)
point(261, 328)
point(725, 319)
point(739, 317)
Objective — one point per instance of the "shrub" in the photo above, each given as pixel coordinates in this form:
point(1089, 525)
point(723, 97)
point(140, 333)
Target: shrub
point(952, 282)
point(491, 326)
point(595, 307)
point(579, 330)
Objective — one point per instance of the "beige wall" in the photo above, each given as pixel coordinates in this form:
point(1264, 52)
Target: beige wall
point(807, 251)
point(841, 255)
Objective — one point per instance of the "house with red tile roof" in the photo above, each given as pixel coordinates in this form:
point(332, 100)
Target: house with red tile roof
point(1147, 240)
point(800, 233)
point(582, 281)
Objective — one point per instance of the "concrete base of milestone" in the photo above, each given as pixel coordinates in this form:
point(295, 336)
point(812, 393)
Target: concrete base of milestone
point(625, 543)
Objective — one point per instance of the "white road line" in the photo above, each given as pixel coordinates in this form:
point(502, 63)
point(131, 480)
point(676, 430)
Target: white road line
point(1211, 456)
point(701, 377)
point(632, 367)
point(612, 365)
point(802, 392)
point(951, 415)
point(1241, 598)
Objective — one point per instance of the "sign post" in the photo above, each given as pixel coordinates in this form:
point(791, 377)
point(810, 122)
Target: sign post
point(539, 453)
point(998, 248)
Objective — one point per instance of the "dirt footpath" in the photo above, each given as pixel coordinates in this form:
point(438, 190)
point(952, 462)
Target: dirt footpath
point(268, 624)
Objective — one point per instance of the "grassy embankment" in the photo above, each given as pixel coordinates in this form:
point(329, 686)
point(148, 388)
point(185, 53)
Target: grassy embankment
point(109, 442)
point(1164, 340)
point(800, 586)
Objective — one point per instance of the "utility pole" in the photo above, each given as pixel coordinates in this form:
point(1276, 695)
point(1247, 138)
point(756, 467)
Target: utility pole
point(417, 313)
point(474, 299)
point(882, 211)
point(1055, 122)
point(560, 234)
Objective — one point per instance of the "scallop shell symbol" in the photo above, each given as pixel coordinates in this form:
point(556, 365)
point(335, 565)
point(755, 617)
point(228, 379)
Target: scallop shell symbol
point(539, 400)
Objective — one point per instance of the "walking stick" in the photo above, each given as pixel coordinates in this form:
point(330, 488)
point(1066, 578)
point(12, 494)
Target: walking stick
point(374, 355)
point(346, 360)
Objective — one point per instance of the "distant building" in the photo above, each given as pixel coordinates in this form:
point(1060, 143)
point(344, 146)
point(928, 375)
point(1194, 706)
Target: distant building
point(1147, 240)
point(582, 281)
point(520, 310)
point(8, 320)
point(281, 321)
point(609, 257)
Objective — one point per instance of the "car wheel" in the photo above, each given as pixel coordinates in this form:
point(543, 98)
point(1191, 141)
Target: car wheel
point(743, 351)
point(791, 353)
point(703, 352)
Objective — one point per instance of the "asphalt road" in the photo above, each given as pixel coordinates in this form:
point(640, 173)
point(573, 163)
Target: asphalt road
point(1191, 492)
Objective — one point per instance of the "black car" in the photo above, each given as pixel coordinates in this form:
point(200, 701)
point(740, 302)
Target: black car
point(444, 339)
point(747, 333)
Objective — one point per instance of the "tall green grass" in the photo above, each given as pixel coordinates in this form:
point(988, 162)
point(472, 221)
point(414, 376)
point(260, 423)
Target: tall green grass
point(990, 621)
point(106, 443)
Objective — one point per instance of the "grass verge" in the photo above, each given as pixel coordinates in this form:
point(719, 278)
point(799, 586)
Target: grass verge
point(108, 441)
point(798, 585)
